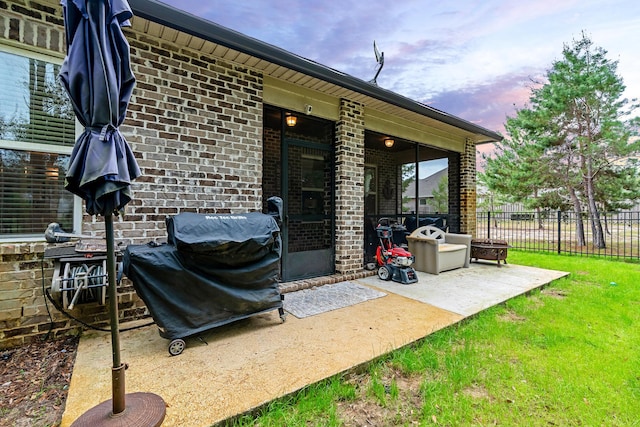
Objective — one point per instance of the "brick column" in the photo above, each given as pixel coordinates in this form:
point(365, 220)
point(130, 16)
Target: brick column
point(349, 188)
point(468, 188)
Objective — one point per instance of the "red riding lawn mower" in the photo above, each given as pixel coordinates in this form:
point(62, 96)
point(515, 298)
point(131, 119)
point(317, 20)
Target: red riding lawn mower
point(394, 262)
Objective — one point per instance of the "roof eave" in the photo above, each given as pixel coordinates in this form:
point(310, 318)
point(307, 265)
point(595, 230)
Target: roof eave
point(180, 20)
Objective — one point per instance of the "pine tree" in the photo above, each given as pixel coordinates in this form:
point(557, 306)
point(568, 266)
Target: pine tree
point(570, 145)
point(440, 196)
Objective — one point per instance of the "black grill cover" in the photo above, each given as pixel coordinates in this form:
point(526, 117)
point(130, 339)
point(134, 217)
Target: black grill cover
point(224, 239)
point(185, 301)
point(216, 269)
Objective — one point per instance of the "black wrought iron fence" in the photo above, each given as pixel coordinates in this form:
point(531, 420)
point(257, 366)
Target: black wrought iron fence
point(555, 231)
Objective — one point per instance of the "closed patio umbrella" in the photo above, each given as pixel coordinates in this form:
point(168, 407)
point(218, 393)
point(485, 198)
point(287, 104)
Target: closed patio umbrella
point(97, 76)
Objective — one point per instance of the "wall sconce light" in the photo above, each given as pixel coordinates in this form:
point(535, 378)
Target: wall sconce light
point(388, 142)
point(291, 120)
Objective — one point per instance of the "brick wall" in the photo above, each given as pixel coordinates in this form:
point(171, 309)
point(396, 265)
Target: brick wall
point(349, 187)
point(468, 189)
point(271, 164)
point(194, 124)
point(32, 24)
point(454, 191)
point(462, 190)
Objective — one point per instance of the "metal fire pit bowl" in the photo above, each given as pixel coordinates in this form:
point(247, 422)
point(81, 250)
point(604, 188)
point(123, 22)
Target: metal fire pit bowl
point(489, 249)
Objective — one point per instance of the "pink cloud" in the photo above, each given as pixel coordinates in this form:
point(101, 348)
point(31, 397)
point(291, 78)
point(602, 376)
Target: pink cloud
point(489, 104)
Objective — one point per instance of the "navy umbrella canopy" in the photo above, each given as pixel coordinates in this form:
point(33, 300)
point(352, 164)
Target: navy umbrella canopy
point(97, 76)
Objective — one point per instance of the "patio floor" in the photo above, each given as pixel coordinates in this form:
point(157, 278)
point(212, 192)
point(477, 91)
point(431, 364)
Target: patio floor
point(251, 362)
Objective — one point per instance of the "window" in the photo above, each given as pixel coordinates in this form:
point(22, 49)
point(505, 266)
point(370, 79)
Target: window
point(37, 133)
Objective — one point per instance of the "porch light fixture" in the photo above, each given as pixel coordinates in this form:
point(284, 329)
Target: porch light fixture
point(291, 120)
point(388, 142)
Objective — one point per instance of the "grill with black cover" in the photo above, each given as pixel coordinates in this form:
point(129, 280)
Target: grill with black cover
point(215, 269)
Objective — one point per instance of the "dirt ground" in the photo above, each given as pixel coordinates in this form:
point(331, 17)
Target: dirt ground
point(34, 380)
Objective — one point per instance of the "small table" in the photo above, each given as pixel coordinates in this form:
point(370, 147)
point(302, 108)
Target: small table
point(489, 249)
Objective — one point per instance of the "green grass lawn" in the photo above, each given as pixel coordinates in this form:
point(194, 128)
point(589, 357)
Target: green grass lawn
point(568, 355)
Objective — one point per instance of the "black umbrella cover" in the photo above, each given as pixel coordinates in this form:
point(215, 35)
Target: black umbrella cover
point(97, 76)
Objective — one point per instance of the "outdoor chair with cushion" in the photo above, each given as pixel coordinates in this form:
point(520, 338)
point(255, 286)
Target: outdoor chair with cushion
point(436, 251)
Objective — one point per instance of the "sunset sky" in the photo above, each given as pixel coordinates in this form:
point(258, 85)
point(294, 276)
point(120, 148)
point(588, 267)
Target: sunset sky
point(473, 59)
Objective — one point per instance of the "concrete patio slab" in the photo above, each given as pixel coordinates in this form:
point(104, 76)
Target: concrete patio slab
point(256, 360)
point(467, 291)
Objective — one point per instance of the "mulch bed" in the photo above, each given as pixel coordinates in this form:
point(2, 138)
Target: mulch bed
point(34, 380)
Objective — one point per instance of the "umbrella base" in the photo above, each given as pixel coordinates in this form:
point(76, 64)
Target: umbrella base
point(142, 409)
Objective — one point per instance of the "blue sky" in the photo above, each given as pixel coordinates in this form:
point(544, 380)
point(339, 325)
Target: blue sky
point(471, 58)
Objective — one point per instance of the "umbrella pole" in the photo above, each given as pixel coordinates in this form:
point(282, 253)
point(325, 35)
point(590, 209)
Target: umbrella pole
point(145, 409)
point(117, 369)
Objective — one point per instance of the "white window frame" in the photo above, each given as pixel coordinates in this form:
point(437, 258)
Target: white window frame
point(44, 148)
